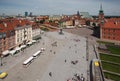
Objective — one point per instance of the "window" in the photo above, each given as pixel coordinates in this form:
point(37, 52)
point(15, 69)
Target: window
point(108, 33)
point(4, 43)
point(0, 43)
point(108, 37)
point(113, 37)
point(11, 33)
point(17, 35)
point(0, 36)
point(4, 34)
point(4, 38)
point(104, 33)
point(104, 36)
point(17, 39)
point(113, 30)
point(104, 30)
point(21, 38)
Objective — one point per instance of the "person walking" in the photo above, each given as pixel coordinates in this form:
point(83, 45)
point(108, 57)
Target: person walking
point(65, 60)
point(50, 74)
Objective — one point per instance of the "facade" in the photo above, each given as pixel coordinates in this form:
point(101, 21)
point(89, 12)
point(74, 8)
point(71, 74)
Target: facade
point(3, 42)
point(36, 31)
point(7, 36)
point(23, 34)
point(14, 32)
point(74, 21)
point(66, 22)
point(55, 17)
point(110, 31)
point(109, 28)
point(82, 21)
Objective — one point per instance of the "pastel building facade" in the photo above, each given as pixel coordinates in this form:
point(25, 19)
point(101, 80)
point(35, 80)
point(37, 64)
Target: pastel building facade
point(13, 33)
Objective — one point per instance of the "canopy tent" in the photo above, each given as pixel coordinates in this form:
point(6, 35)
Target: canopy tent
point(29, 43)
point(37, 37)
point(22, 46)
point(17, 48)
point(6, 52)
point(12, 52)
point(33, 41)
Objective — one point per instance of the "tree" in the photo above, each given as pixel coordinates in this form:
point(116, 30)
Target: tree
point(94, 24)
point(42, 21)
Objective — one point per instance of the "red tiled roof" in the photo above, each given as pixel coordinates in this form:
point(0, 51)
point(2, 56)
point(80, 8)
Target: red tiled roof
point(35, 25)
point(12, 23)
point(111, 24)
point(65, 19)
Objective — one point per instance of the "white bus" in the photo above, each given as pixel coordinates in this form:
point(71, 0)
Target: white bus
point(37, 53)
point(28, 61)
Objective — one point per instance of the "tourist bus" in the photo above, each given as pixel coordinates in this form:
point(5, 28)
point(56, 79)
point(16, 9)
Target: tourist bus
point(37, 54)
point(28, 61)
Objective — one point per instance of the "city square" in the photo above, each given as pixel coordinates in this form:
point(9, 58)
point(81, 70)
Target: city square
point(59, 40)
point(56, 59)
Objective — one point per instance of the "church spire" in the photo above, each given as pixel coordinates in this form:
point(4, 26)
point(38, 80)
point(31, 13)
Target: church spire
point(101, 10)
point(101, 15)
point(101, 7)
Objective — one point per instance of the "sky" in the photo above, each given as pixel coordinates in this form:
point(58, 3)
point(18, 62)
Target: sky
point(58, 7)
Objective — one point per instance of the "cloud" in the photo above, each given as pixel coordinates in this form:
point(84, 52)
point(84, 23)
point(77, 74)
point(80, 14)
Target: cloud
point(57, 6)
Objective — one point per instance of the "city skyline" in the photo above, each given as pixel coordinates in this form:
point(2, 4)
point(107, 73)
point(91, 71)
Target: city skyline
point(51, 7)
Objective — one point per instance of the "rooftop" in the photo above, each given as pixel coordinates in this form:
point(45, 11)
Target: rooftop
point(112, 24)
point(11, 24)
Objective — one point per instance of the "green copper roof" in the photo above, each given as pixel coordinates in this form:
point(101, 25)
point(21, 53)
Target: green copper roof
point(101, 10)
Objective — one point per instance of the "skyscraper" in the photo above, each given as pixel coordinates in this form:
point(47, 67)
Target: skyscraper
point(30, 14)
point(78, 14)
point(26, 14)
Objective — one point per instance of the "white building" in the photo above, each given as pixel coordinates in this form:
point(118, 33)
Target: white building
point(55, 17)
point(23, 34)
point(36, 31)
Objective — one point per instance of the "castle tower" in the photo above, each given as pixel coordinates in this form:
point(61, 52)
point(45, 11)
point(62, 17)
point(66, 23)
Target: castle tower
point(101, 15)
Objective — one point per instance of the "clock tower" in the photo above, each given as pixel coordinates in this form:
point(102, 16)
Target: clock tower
point(101, 15)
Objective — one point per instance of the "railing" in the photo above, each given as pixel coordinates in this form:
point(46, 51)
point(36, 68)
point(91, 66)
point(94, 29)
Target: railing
point(100, 67)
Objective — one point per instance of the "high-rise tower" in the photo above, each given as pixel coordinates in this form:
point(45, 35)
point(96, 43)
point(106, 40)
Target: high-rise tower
point(78, 14)
point(26, 14)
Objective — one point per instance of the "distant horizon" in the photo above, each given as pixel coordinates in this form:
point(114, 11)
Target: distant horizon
point(51, 7)
point(50, 14)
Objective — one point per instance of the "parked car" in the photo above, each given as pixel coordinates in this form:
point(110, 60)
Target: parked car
point(3, 75)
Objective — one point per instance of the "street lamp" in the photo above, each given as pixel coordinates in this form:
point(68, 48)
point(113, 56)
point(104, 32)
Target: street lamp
point(1, 60)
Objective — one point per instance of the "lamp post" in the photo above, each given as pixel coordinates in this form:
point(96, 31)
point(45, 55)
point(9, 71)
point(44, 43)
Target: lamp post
point(1, 60)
